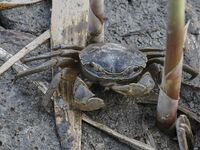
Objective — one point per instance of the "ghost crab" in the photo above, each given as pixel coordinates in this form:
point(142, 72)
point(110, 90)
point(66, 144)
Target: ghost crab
point(124, 70)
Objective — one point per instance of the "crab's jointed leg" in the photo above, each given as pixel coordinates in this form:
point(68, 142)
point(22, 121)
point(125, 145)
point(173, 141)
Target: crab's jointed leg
point(60, 62)
point(143, 86)
point(153, 52)
point(156, 55)
point(62, 53)
point(52, 88)
point(84, 99)
point(186, 67)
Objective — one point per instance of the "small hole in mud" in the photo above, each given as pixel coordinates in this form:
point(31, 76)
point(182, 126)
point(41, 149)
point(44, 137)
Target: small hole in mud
point(36, 148)
point(43, 139)
point(130, 2)
point(1, 143)
point(20, 128)
point(12, 109)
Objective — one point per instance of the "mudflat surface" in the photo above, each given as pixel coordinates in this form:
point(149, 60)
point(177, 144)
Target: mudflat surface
point(25, 125)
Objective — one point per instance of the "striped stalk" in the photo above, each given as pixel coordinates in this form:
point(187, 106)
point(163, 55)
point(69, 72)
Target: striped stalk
point(171, 81)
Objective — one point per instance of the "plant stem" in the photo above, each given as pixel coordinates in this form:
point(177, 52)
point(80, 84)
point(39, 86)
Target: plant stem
point(96, 21)
point(171, 82)
point(174, 53)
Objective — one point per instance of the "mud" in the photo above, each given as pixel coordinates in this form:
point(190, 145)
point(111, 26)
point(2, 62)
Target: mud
point(25, 125)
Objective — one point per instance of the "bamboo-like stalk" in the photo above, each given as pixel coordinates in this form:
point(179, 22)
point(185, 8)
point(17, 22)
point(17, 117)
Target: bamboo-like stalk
point(96, 21)
point(171, 82)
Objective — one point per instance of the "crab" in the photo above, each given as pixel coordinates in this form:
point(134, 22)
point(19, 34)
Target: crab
point(127, 71)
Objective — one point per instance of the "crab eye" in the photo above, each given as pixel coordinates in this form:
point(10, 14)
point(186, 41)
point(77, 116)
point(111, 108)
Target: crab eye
point(91, 64)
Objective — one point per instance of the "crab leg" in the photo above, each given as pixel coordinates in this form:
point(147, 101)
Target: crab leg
point(186, 67)
point(49, 93)
point(149, 49)
point(154, 55)
point(61, 53)
point(47, 65)
point(153, 52)
point(84, 99)
point(143, 86)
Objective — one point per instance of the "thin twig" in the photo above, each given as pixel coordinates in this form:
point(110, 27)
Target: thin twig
point(124, 139)
point(24, 51)
point(189, 113)
point(6, 4)
point(140, 32)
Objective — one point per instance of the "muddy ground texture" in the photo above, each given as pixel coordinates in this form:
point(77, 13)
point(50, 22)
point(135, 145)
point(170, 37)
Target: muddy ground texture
point(25, 125)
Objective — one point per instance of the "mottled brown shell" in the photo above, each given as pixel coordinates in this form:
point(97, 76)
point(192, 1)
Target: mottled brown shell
point(112, 62)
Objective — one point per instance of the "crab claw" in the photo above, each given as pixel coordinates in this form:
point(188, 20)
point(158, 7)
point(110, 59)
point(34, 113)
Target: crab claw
point(184, 133)
point(84, 99)
point(144, 86)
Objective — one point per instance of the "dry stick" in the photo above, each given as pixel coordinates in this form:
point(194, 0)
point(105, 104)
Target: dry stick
point(6, 4)
point(69, 28)
point(24, 51)
point(124, 139)
point(4, 55)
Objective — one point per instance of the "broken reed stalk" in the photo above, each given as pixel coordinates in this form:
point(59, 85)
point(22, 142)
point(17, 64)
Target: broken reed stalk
point(96, 22)
point(6, 4)
point(171, 81)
